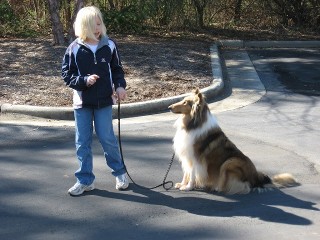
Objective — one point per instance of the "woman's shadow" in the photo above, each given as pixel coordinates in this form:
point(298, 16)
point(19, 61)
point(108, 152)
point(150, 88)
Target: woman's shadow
point(253, 205)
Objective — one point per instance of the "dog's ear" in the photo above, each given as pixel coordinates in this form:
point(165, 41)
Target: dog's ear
point(200, 97)
point(195, 108)
point(195, 111)
point(196, 91)
point(196, 103)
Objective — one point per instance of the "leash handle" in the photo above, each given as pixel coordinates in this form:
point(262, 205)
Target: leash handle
point(164, 182)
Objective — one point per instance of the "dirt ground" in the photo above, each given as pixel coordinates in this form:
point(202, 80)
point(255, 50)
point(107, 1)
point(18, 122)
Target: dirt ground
point(154, 68)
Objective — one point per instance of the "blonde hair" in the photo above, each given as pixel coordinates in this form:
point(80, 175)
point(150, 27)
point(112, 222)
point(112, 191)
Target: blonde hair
point(84, 25)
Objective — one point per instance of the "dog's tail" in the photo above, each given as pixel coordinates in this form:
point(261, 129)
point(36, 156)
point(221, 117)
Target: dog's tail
point(284, 180)
point(278, 181)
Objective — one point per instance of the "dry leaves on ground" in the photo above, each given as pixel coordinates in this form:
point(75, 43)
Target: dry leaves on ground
point(154, 68)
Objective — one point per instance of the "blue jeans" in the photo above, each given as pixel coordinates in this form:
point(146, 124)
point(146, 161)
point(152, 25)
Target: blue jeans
point(102, 118)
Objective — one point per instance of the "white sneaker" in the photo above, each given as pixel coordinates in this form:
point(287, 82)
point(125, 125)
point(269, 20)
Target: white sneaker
point(79, 188)
point(122, 182)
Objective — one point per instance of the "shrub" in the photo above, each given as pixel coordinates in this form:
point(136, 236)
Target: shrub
point(128, 19)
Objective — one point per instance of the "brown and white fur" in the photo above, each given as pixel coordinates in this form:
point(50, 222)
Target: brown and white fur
point(208, 158)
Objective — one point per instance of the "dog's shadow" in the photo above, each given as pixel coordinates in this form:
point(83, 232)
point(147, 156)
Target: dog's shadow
point(254, 205)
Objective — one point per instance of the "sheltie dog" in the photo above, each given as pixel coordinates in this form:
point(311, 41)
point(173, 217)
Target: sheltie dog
point(209, 159)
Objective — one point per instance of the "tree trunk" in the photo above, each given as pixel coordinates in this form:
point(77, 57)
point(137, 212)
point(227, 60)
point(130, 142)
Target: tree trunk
point(78, 6)
point(68, 15)
point(200, 6)
point(57, 27)
point(111, 4)
point(237, 11)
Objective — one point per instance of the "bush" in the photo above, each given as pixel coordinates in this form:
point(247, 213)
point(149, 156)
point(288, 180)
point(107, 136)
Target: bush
point(11, 25)
point(7, 19)
point(128, 19)
point(6, 12)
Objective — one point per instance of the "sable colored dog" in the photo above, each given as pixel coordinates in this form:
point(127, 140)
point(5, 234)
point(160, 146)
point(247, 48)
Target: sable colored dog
point(209, 159)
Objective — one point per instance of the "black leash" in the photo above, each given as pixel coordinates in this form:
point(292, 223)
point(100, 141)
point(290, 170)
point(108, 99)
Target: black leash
point(164, 182)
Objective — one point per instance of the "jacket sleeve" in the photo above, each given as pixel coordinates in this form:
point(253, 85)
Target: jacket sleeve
point(117, 70)
point(70, 73)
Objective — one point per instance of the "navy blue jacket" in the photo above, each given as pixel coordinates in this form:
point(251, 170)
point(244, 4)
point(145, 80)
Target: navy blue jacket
point(79, 62)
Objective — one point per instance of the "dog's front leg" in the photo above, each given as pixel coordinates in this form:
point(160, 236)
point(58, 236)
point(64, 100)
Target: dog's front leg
point(191, 183)
point(184, 181)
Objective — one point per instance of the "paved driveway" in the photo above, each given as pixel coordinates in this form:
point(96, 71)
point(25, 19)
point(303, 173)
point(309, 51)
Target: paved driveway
point(279, 131)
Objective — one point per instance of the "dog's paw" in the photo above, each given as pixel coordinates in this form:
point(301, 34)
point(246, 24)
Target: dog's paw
point(178, 185)
point(186, 187)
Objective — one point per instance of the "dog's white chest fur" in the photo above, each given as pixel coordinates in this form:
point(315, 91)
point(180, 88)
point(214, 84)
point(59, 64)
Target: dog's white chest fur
point(184, 141)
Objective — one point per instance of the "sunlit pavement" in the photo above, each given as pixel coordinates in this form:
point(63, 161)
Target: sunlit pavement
point(273, 123)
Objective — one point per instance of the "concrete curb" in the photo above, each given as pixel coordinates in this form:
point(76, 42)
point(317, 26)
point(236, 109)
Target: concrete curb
point(268, 44)
point(127, 110)
point(160, 105)
point(58, 113)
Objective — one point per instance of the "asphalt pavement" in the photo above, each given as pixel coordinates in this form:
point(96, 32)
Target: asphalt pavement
point(271, 117)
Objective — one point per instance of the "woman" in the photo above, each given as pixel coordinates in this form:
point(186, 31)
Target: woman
point(92, 68)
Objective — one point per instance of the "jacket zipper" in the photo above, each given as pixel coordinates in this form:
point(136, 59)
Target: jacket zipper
point(95, 62)
point(95, 59)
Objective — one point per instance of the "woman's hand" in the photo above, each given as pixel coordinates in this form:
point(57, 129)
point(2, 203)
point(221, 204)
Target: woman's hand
point(92, 79)
point(121, 93)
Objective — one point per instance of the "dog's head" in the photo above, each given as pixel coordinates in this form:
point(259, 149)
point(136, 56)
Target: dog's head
point(193, 107)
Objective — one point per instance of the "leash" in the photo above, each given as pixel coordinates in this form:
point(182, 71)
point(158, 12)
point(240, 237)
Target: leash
point(164, 182)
